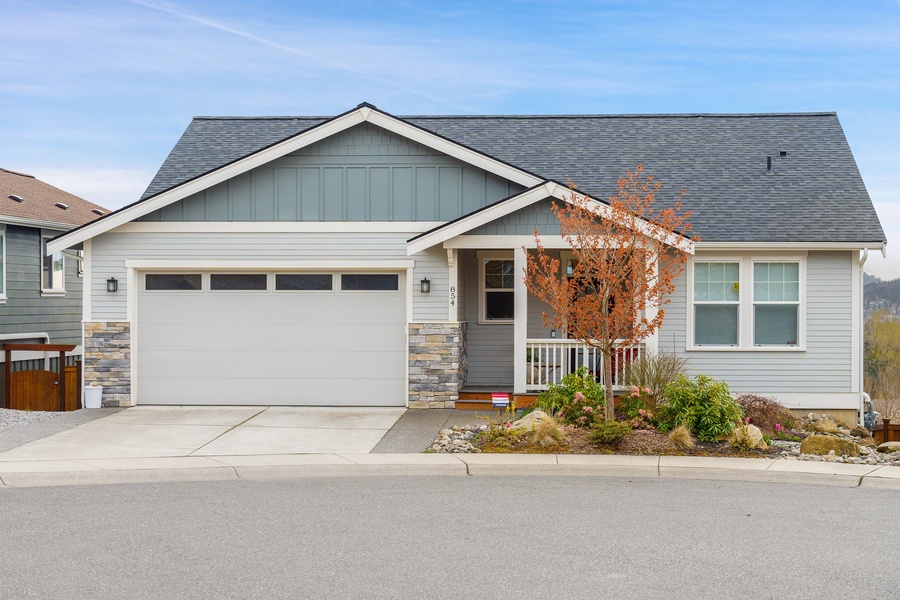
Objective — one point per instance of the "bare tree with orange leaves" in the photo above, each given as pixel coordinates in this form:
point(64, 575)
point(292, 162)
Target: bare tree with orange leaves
point(627, 257)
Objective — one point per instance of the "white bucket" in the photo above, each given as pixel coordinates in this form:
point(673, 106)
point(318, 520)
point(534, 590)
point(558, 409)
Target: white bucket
point(93, 396)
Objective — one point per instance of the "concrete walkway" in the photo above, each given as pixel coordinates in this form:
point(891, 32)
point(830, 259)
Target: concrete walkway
point(157, 444)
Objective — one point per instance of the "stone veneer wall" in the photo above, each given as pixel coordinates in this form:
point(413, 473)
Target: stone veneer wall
point(437, 364)
point(107, 360)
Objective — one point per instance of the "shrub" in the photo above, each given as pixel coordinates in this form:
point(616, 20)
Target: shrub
point(548, 433)
point(766, 413)
point(576, 400)
point(681, 438)
point(655, 370)
point(609, 432)
point(703, 405)
point(637, 400)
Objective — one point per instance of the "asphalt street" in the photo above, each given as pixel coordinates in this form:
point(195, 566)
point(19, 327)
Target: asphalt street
point(449, 537)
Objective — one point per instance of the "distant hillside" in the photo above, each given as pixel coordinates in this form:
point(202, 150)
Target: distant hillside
point(881, 295)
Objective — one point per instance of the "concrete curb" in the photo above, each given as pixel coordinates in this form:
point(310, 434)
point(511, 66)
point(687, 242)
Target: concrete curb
point(280, 467)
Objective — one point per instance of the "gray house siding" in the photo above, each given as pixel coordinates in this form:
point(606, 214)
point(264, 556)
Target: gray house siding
point(362, 174)
point(25, 311)
point(536, 217)
point(110, 251)
point(825, 366)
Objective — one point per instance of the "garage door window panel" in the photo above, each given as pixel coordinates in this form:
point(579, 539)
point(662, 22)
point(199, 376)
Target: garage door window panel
point(239, 282)
point(304, 282)
point(172, 281)
point(370, 282)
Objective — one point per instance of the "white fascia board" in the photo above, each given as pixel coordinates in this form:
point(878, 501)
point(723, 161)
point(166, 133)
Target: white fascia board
point(700, 246)
point(24, 222)
point(268, 265)
point(510, 205)
point(453, 149)
point(411, 227)
point(320, 132)
point(505, 242)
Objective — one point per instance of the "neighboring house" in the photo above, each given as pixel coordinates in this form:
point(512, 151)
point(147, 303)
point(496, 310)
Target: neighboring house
point(40, 294)
point(368, 259)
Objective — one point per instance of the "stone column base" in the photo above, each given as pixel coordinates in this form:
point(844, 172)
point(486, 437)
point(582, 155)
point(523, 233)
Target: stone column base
point(107, 360)
point(437, 364)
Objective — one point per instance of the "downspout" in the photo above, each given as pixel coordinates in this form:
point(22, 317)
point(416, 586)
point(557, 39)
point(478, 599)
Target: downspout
point(30, 336)
point(862, 338)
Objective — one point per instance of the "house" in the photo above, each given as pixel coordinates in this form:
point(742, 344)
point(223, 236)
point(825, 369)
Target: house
point(40, 293)
point(368, 259)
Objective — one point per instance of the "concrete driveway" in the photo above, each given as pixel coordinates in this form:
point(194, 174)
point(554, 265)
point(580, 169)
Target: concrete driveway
point(159, 431)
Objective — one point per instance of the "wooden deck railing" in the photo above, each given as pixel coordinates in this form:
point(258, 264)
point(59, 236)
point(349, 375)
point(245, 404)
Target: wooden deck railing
point(548, 361)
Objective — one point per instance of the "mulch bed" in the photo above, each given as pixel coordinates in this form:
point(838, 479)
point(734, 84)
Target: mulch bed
point(640, 442)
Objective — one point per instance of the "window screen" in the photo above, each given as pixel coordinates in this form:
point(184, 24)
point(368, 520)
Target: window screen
point(717, 305)
point(776, 303)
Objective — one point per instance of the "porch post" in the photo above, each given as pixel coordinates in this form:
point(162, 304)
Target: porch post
point(453, 289)
point(520, 325)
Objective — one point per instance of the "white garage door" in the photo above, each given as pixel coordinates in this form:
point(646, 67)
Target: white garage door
point(317, 339)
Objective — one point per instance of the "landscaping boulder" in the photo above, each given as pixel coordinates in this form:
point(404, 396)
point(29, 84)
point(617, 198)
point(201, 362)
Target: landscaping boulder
point(867, 441)
point(823, 444)
point(889, 447)
point(824, 425)
point(749, 431)
point(860, 432)
point(530, 420)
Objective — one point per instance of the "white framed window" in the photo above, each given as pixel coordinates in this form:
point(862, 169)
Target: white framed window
point(53, 269)
point(2, 264)
point(496, 280)
point(776, 303)
point(746, 303)
point(717, 303)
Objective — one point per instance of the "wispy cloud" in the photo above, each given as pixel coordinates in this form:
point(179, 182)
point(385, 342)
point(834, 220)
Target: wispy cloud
point(316, 57)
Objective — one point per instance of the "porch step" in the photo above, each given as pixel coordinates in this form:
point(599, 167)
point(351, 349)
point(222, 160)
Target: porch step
point(482, 400)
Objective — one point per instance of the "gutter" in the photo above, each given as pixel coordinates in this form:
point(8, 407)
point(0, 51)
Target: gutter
point(862, 335)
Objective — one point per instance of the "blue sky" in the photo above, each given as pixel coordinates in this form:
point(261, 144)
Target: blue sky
point(95, 93)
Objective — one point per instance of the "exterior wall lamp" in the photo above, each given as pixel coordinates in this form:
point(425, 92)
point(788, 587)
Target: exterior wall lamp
point(425, 286)
point(112, 285)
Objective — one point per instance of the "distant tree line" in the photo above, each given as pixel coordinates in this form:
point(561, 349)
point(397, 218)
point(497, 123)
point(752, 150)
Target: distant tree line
point(881, 295)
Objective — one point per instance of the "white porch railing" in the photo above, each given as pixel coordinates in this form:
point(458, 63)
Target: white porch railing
point(548, 361)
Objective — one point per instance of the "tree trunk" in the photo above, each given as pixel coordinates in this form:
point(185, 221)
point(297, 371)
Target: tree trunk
point(608, 384)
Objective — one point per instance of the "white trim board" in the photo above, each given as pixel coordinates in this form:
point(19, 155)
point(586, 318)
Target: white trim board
point(301, 140)
point(254, 265)
point(793, 246)
point(410, 227)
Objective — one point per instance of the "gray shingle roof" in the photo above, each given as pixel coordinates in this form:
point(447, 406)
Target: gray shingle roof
point(815, 194)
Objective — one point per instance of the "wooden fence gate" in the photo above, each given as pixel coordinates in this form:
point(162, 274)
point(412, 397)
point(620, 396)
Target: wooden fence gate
point(39, 389)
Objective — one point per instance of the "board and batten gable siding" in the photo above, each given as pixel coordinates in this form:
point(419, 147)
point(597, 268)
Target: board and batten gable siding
point(25, 310)
point(525, 221)
point(490, 345)
point(109, 252)
point(362, 174)
point(825, 366)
